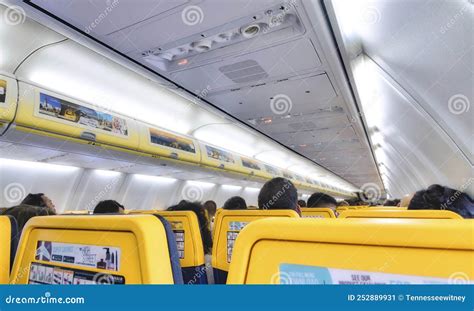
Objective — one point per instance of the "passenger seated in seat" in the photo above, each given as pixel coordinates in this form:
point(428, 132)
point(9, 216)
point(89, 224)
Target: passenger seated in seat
point(109, 207)
point(198, 209)
point(40, 200)
point(235, 203)
point(206, 236)
point(278, 193)
point(302, 203)
point(437, 197)
point(319, 199)
point(23, 212)
point(211, 208)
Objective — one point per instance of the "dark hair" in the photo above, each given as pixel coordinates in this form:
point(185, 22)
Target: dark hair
point(34, 199)
point(24, 212)
point(302, 203)
point(278, 193)
point(319, 199)
point(108, 207)
point(198, 209)
point(393, 202)
point(235, 203)
point(437, 197)
point(211, 208)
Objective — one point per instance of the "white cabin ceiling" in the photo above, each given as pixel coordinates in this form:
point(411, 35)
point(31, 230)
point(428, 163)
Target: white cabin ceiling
point(244, 77)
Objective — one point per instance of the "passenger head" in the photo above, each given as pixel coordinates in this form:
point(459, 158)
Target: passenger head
point(320, 199)
point(302, 203)
point(109, 207)
point(211, 208)
point(198, 209)
point(235, 203)
point(437, 197)
point(278, 193)
point(40, 200)
point(24, 212)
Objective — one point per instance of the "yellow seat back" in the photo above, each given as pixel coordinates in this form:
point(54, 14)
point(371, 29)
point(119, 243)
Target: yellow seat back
point(391, 213)
point(8, 241)
point(358, 251)
point(112, 249)
point(185, 226)
point(227, 226)
point(317, 212)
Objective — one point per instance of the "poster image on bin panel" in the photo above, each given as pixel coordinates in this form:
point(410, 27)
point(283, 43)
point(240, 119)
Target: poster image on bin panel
point(49, 274)
point(3, 91)
point(219, 154)
point(67, 112)
point(169, 140)
point(92, 256)
point(272, 170)
point(249, 163)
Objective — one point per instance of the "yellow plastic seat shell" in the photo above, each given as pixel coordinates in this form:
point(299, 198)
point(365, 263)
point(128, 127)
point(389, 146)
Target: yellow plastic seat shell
point(141, 238)
point(317, 212)
point(417, 247)
point(5, 247)
point(221, 227)
point(390, 213)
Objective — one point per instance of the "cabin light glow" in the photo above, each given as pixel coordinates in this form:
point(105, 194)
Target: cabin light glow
point(107, 173)
point(37, 165)
point(152, 178)
point(231, 187)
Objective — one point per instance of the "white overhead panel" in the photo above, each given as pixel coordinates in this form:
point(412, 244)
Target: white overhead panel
point(263, 62)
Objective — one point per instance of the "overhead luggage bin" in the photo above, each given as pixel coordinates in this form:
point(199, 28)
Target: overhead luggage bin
point(47, 112)
point(8, 101)
point(164, 143)
point(359, 251)
point(221, 159)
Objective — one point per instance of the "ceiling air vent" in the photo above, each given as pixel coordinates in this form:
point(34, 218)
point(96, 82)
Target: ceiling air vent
point(245, 71)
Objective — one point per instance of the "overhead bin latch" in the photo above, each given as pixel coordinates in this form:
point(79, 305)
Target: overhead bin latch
point(174, 155)
point(88, 136)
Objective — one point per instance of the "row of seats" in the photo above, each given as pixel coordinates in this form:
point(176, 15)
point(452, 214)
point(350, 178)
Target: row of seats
point(164, 247)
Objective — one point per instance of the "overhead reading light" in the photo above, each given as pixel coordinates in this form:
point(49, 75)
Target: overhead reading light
point(250, 31)
point(168, 57)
